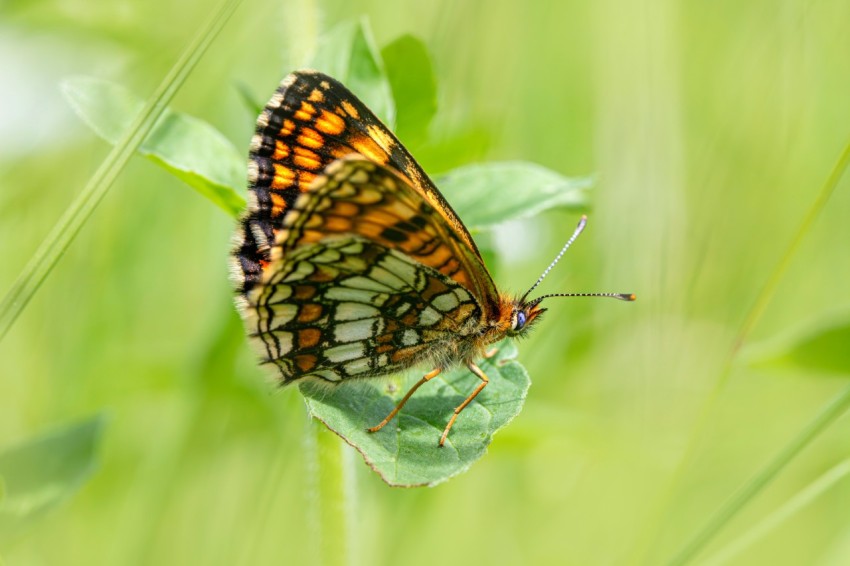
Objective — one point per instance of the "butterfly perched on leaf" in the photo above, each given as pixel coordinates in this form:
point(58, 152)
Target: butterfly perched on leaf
point(349, 263)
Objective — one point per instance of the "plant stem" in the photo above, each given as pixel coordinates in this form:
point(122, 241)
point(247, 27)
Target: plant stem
point(66, 229)
point(332, 497)
point(758, 482)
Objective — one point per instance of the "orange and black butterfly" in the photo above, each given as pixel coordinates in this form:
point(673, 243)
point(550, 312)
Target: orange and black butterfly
point(348, 262)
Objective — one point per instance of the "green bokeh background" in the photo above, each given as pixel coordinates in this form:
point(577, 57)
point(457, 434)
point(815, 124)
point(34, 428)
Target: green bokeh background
point(710, 128)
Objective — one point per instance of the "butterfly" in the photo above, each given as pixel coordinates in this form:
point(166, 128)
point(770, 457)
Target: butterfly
point(348, 262)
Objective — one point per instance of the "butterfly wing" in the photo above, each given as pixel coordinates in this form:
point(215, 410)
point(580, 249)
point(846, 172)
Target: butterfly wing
point(351, 290)
point(311, 121)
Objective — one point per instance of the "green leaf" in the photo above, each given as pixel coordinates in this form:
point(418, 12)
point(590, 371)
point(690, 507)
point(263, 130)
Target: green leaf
point(414, 87)
point(405, 452)
point(43, 471)
point(189, 148)
point(821, 347)
point(486, 194)
point(348, 53)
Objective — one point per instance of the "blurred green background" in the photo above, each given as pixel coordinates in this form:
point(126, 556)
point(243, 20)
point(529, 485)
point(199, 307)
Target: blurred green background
point(710, 128)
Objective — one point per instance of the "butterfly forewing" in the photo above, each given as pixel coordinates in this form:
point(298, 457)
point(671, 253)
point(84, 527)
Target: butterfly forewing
point(311, 121)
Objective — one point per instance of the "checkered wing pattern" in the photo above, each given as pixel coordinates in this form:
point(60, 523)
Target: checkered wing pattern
point(311, 121)
point(361, 280)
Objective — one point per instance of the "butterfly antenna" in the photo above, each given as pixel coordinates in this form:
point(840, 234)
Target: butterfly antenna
point(581, 224)
point(620, 296)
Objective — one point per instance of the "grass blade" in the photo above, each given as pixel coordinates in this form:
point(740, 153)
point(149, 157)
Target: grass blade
point(758, 482)
point(69, 225)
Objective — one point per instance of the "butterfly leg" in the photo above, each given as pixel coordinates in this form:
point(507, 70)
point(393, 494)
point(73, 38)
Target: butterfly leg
point(490, 353)
point(484, 381)
point(428, 377)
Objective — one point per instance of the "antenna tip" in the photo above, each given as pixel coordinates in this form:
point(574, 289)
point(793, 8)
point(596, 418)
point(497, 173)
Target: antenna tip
point(630, 297)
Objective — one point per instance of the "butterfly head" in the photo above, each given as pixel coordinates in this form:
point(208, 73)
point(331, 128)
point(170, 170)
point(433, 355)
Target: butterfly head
point(523, 313)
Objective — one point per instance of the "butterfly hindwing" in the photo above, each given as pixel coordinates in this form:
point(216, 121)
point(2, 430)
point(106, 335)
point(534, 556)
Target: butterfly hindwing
point(347, 307)
point(363, 262)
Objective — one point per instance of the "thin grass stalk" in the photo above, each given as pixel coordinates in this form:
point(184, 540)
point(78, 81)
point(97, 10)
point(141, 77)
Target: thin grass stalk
point(762, 479)
point(798, 502)
point(66, 229)
point(642, 553)
point(750, 320)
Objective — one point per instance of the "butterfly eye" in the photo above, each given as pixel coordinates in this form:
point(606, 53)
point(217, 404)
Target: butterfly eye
point(519, 322)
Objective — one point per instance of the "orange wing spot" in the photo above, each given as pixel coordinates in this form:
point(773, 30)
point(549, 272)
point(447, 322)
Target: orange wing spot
point(310, 312)
point(306, 162)
point(345, 208)
point(463, 279)
point(435, 287)
point(384, 348)
point(306, 159)
point(304, 292)
point(451, 267)
point(309, 337)
point(283, 177)
point(281, 151)
point(323, 275)
point(316, 96)
point(278, 204)
point(404, 354)
point(367, 147)
point(412, 317)
point(341, 151)
point(305, 179)
point(463, 312)
point(337, 224)
point(350, 110)
point(325, 85)
point(287, 128)
point(305, 113)
point(311, 138)
point(306, 362)
point(329, 123)
point(311, 237)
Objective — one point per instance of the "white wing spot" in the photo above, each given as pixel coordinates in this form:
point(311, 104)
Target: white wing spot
point(410, 337)
point(359, 282)
point(344, 294)
point(385, 277)
point(280, 294)
point(446, 301)
point(345, 352)
point(285, 341)
point(429, 317)
point(355, 311)
point(357, 366)
point(303, 269)
point(400, 268)
point(354, 331)
point(327, 374)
